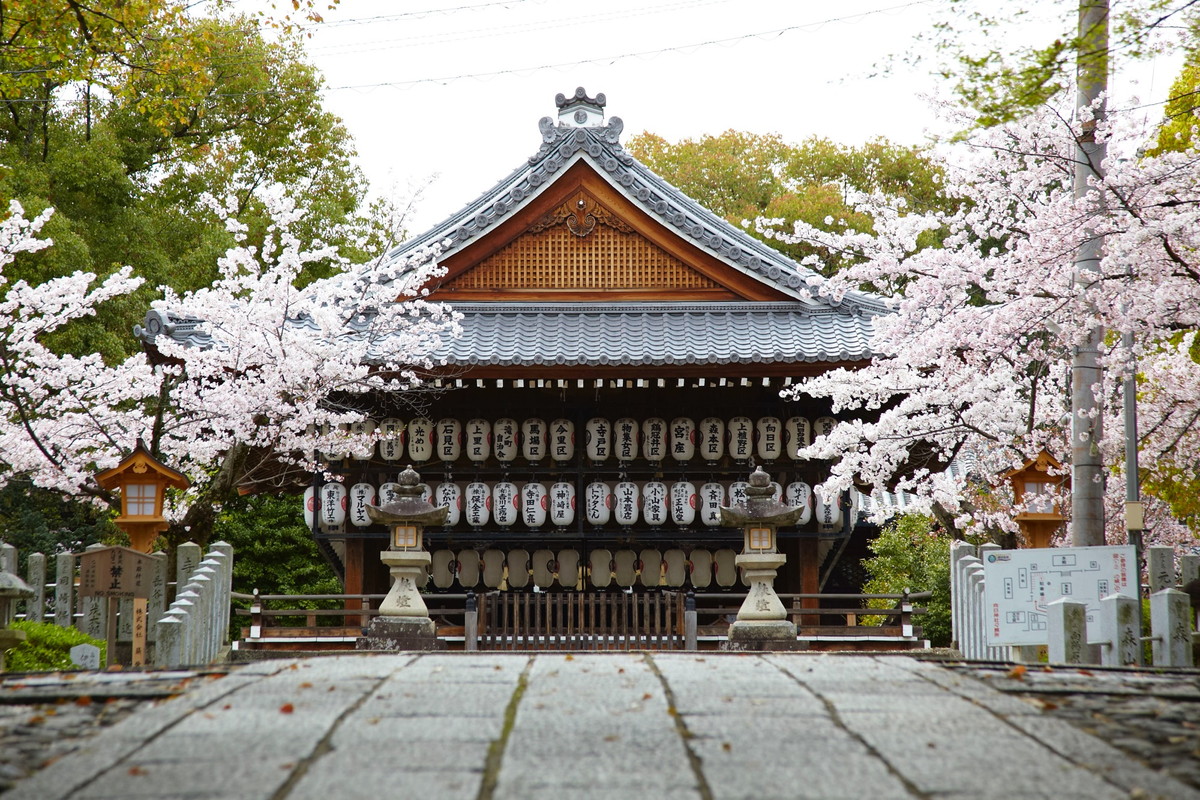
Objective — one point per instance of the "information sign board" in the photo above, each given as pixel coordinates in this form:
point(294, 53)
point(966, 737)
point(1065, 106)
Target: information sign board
point(115, 572)
point(1018, 585)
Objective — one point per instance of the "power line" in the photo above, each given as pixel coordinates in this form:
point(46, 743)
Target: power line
point(730, 40)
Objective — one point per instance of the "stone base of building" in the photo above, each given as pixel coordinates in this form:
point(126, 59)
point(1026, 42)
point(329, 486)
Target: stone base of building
point(400, 633)
point(773, 635)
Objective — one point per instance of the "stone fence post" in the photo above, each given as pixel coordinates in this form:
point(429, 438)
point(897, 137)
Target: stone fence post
point(1170, 629)
point(1066, 622)
point(1121, 633)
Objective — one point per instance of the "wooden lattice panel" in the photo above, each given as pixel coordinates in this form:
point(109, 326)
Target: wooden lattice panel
point(606, 258)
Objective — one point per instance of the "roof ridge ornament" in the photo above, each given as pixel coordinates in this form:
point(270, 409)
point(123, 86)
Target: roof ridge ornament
point(579, 110)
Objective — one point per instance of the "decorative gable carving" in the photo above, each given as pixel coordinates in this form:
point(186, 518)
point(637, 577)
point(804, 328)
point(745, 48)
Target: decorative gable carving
point(582, 247)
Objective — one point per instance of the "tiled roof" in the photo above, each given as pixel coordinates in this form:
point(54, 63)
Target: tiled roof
point(563, 145)
point(642, 334)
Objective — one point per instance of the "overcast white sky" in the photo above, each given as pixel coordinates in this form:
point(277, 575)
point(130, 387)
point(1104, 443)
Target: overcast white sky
point(454, 88)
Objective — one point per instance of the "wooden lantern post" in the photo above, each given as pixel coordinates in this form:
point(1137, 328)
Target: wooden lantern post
point(1040, 518)
point(143, 482)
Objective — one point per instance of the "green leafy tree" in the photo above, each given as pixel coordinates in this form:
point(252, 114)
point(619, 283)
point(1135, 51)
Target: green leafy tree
point(273, 551)
point(909, 554)
point(743, 176)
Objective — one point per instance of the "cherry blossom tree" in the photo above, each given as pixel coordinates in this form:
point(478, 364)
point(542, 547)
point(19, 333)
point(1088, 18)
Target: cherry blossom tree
point(974, 363)
point(270, 372)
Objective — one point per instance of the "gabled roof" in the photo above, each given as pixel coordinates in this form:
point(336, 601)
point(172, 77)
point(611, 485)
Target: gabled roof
point(582, 136)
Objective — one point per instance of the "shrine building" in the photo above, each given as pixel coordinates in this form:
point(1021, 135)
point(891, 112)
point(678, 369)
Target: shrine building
point(619, 370)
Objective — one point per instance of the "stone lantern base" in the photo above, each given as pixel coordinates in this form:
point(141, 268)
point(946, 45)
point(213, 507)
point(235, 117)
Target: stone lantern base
point(400, 633)
point(404, 623)
point(762, 622)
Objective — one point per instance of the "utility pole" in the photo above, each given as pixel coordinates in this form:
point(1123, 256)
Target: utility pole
point(1087, 472)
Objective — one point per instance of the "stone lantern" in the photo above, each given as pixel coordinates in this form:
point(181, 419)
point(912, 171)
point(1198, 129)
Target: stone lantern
point(403, 622)
point(143, 481)
point(762, 622)
point(1032, 484)
point(12, 589)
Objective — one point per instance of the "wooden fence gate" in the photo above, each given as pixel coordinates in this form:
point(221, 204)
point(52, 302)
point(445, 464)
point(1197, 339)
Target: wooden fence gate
point(651, 620)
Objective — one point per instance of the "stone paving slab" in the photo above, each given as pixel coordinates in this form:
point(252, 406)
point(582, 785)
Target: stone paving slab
point(693, 726)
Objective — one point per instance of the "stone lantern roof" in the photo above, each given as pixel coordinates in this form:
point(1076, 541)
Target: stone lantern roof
point(760, 507)
point(409, 507)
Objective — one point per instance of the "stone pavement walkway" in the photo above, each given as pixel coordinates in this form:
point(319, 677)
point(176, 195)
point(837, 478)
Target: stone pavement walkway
point(619, 725)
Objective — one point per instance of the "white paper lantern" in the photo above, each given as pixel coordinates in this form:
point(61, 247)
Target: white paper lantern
point(449, 495)
point(518, 568)
point(448, 440)
point(336, 436)
point(626, 502)
point(469, 568)
point(655, 507)
point(600, 566)
point(712, 497)
point(388, 492)
point(391, 439)
point(568, 568)
point(769, 432)
point(504, 440)
point(625, 439)
point(725, 569)
point(478, 440)
point(650, 567)
point(625, 567)
point(683, 439)
point(683, 503)
point(310, 507)
point(533, 440)
point(823, 426)
point(598, 502)
point(562, 440)
point(477, 504)
point(493, 568)
point(711, 436)
point(333, 504)
point(562, 504)
point(654, 439)
point(364, 442)
point(505, 503)
point(776, 491)
point(797, 433)
point(543, 564)
point(361, 496)
point(533, 504)
point(598, 439)
point(427, 493)
point(737, 492)
point(700, 563)
point(675, 567)
point(442, 568)
point(827, 510)
point(740, 432)
point(799, 495)
point(420, 439)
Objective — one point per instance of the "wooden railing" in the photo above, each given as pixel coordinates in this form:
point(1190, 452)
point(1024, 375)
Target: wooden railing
point(663, 619)
point(582, 621)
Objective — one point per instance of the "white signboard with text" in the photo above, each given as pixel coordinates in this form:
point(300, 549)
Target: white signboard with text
point(1018, 585)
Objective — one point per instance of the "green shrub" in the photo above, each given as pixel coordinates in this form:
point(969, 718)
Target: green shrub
point(910, 554)
point(47, 647)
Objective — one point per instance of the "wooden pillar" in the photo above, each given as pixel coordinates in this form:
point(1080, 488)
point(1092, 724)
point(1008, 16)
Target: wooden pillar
point(353, 582)
point(810, 578)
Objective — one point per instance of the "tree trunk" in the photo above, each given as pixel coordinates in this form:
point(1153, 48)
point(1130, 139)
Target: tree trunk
point(1087, 472)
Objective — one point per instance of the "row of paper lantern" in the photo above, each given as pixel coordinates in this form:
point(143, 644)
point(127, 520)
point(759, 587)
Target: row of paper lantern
point(504, 504)
point(546, 568)
point(655, 439)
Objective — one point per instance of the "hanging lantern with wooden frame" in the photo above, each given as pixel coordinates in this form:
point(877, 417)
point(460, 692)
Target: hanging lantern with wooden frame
point(1038, 485)
point(143, 481)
